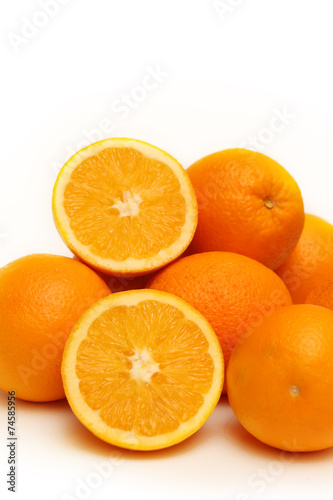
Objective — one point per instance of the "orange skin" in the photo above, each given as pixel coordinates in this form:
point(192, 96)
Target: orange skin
point(280, 379)
point(311, 263)
point(232, 291)
point(248, 204)
point(41, 299)
point(322, 295)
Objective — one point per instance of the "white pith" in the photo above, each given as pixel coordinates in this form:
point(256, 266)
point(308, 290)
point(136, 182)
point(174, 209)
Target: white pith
point(129, 206)
point(143, 366)
point(294, 390)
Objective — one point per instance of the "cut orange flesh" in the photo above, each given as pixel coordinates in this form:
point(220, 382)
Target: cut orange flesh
point(142, 369)
point(124, 206)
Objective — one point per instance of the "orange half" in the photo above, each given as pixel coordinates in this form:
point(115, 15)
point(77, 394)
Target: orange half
point(142, 369)
point(125, 207)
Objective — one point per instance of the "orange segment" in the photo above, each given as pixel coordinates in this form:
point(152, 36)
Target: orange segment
point(125, 206)
point(142, 369)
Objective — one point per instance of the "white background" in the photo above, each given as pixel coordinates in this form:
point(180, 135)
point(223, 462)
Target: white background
point(224, 74)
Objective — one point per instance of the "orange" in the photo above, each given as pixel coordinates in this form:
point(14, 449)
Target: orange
point(248, 204)
point(322, 295)
point(142, 369)
point(280, 379)
point(311, 263)
point(232, 291)
point(41, 299)
point(124, 207)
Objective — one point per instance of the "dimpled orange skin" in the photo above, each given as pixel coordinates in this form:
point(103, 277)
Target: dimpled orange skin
point(311, 263)
point(322, 295)
point(232, 291)
point(280, 379)
point(41, 299)
point(248, 204)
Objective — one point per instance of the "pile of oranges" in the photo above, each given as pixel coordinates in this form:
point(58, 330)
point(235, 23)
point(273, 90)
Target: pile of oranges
point(184, 285)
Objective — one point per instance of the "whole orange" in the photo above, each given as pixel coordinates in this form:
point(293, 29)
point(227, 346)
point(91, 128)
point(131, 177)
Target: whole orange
point(280, 379)
point(311, 263)
point(322, 295)
point(248, 204)
point(235, 293)
point(41, 299)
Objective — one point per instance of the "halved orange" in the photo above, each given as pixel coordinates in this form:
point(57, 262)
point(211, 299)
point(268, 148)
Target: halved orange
point(125, 207)
point(142, 369)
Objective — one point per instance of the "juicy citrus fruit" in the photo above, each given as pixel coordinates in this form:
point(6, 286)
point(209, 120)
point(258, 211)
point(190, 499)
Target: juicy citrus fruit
point(124, 206)
point(232, 291)
point(248, 204)
point(322, 295)
point(280, 379)
point(41, 299)
point(142, 369)
point(311, 263)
